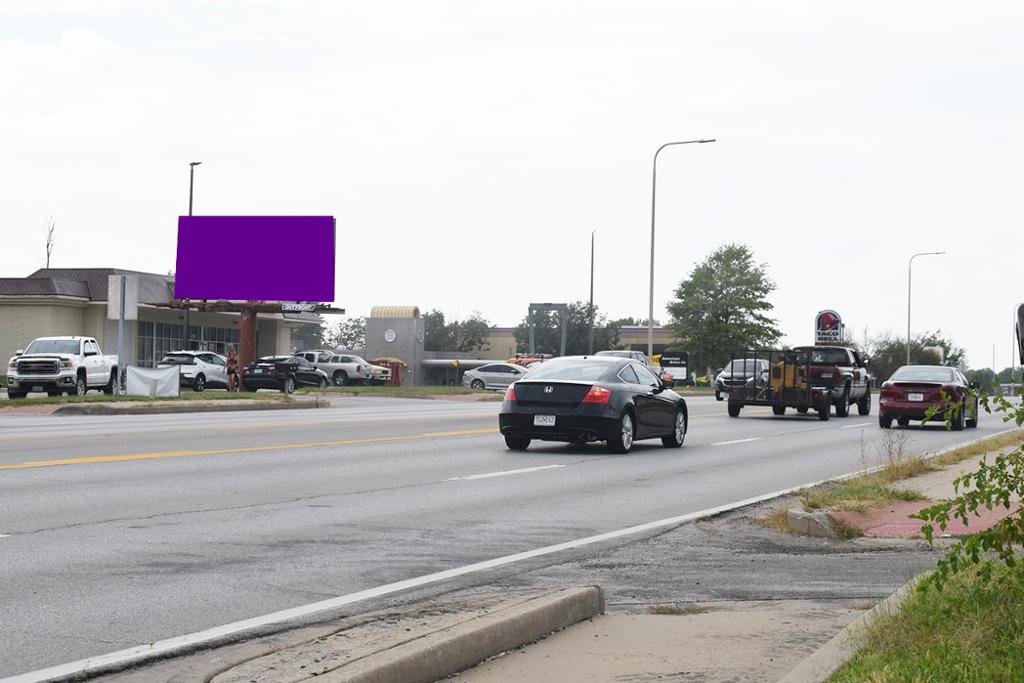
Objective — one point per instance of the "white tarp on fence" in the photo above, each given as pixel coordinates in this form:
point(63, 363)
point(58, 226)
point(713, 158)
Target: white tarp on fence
point(152, 382)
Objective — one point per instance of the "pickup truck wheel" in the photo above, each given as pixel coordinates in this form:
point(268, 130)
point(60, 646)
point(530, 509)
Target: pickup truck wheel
point(108, 388)
point(843, 404)
point(734, 409)
point(779, 410)
point(802, 410)
point(322, 383)
point(15, 395)
point(340, 378)
point(824, 408)
point(718, 395)
point(864, 404)
point(80, 386)
point(199, 383)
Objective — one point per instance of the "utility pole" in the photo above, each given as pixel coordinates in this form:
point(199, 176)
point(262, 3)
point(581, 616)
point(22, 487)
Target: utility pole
point(590, 346)
point(191, 181)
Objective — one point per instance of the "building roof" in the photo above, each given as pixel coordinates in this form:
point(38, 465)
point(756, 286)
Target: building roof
point(395, 312)
point(88, 283)
point(19, 286)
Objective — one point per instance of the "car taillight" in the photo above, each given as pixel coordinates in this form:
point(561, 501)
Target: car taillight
point(889, 391)
point(510, 393)
point(597, 394)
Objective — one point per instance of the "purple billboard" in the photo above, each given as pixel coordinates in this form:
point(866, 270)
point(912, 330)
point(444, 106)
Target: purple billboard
point(255, 258)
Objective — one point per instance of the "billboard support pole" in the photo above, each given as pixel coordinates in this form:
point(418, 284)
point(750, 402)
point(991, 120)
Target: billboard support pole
point(246, 337)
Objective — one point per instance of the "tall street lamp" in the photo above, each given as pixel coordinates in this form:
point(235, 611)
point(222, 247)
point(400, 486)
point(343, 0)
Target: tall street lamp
point(590, 344)
point(191, 180)
point(654, 196)
point(910, 265)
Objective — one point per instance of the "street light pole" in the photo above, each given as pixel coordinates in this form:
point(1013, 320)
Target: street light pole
point(654, 196)
point(910, 265)
point(191, 179)
point(590, 345)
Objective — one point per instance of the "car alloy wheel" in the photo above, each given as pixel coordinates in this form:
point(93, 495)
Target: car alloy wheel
point(199, 384)
point(627, 431)
point(680, 427)
point(323, 382)
point(289, 385)
point(80, 386)
point(477, 384)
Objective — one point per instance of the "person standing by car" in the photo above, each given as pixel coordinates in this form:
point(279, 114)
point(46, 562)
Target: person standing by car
point(232, 370)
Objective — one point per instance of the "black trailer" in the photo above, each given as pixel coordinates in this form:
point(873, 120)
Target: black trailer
point(785, 383)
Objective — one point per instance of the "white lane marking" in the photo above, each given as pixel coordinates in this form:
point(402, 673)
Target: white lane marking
point(133, 655)
point(859, 424)
point(4, 535)
point(505, 473)
point(729, 443)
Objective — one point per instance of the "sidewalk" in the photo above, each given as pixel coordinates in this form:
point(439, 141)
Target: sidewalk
point(723, 642)
point(894, 521)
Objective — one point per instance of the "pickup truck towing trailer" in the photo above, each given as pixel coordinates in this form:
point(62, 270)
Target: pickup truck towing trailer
point(786, 382)
point(57, 365)
point(842, 371)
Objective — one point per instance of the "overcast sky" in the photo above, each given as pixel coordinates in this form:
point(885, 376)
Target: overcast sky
point(468, 149)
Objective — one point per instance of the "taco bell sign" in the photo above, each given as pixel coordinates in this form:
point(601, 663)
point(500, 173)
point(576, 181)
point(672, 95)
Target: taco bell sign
point(828, 328)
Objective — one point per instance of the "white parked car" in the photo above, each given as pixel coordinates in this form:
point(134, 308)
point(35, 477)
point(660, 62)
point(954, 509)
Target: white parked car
point(198, 369)
point(493, 376)
point(57, 365)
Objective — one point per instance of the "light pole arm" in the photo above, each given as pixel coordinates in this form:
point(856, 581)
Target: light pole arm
point(654, 197)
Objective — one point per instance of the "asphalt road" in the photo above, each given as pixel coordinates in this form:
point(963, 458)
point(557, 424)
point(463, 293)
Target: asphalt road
point(118, 531)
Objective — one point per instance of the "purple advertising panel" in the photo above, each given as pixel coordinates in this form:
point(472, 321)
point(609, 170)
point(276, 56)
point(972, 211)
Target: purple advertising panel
point(257, 258)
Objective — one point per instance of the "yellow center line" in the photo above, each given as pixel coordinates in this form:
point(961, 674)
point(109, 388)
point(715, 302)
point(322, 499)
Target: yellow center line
point(245, 449)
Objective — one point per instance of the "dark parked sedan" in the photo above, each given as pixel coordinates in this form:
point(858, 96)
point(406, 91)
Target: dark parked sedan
point(592, 398)
point(914, 389)
point(287, 372)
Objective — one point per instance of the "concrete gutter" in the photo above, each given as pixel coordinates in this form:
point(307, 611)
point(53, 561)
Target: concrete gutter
point(183, 407)
point(843, 646)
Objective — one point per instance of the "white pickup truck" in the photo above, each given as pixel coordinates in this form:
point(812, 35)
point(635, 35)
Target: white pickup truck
point(58, 365)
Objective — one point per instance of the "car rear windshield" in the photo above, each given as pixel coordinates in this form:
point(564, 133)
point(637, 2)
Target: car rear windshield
point(178, 359)
point(581, 371)
point(828, 356)
point(53, 346)
point(922, 375)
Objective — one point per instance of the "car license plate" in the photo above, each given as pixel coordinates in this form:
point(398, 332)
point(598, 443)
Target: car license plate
point(37, 389)
point(257, 371)
point(543, 420)
point(915, 397)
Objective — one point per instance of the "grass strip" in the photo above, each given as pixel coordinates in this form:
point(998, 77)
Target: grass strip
point(404, 392)
point(970, 631)
point(185, 396)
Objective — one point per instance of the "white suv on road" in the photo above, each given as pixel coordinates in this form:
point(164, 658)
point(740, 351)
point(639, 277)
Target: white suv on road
point(198, 369)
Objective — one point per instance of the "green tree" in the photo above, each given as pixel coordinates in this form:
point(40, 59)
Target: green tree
point(722, 308)
point(548, 332)
point(348, 334)
point(886, 353)
point(983, 377)
point(634, 322)
point(466, 336)
point(309, 336)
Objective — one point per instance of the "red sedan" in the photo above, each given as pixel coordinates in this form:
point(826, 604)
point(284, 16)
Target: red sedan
point(914, 389)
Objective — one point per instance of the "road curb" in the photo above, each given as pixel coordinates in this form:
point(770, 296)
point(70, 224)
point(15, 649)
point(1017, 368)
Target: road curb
point(836, 652)
point(226, 406)
point(466, 645)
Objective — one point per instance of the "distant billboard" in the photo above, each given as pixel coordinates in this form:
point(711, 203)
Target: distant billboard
point(255, 258)
point(828, 328)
